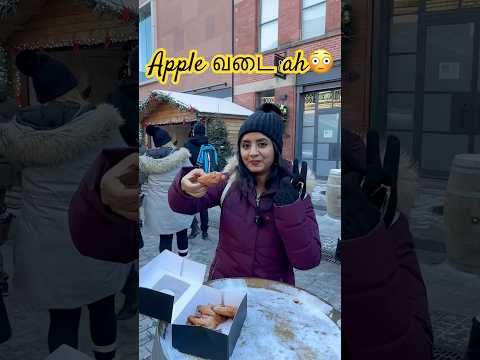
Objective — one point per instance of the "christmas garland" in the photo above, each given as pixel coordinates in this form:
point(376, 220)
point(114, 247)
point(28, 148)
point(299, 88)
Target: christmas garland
point(101, 6)
point(128, 13)
point(157, 97)
point(284, 109)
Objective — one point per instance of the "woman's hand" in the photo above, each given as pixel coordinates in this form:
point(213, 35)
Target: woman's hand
point(191, 186)
point(292, 188)
point(119, 188)
point(369, 199)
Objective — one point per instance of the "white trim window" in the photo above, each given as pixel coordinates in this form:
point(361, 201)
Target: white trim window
point(313, 18)
point(268, 27)
point(145, 37)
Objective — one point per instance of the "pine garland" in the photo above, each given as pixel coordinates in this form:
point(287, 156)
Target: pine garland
point(161, 98)
point(9, 7)
point(218, 136)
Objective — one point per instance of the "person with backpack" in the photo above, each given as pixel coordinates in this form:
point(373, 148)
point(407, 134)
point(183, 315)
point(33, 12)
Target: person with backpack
point(267, 222)
point(203, 155)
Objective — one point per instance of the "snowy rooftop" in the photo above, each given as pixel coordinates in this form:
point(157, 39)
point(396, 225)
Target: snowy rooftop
point(205, 104)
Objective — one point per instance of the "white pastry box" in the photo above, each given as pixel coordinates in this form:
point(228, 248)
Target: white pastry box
point(66, 352)
point(170, 289)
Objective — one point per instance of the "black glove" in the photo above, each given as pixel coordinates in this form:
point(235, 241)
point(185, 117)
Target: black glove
point(380, 183)
point(292, 187)
point(364, 206)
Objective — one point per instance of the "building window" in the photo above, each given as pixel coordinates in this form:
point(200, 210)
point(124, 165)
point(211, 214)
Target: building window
point(313, 18)
point(265, 97)
point(145, 38)
point(268, 25)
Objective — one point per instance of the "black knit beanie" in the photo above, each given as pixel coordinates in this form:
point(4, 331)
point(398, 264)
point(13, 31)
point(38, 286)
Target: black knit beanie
point(266, 120)
point(199, 129)
point(51, 78)
point(159, 135)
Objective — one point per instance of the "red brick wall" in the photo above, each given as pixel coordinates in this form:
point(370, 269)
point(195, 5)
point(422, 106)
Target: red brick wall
point(289, 133)
point(245, 27)
point(289, 21)
point(334, 15)
point(247, 100)
point(289, 33)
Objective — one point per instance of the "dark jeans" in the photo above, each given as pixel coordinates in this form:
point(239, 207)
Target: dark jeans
point(64, 326)
point(203, 221)
point(167, 240)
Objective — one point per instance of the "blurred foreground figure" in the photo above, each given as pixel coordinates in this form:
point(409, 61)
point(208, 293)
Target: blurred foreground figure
point(384, 299)
point(54, 143)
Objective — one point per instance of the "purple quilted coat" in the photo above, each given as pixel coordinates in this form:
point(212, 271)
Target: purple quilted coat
point(289, 237)
point(384, 300)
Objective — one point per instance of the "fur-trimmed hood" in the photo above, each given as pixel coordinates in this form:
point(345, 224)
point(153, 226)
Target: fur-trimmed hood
point(177, 158)
point(26, 146)
point(232, 170)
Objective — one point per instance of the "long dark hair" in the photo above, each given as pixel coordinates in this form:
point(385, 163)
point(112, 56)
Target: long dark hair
point(247, 181)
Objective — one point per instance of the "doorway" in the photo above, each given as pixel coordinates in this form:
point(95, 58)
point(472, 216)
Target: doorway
point(320, 135)
point(448, 95)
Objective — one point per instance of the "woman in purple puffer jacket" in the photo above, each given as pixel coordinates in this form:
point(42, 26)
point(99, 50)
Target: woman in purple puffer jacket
point(267, 224)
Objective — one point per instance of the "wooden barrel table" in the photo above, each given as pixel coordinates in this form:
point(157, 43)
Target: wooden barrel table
point(462, 213)
point(283, 322)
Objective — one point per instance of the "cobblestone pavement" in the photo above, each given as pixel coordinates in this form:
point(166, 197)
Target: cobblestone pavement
point(323, 281)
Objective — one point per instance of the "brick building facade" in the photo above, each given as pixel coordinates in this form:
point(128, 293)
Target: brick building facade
point(313, 100)
point(180, 26)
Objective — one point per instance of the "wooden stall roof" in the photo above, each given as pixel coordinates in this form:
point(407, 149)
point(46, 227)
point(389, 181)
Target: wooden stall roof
point(167, 114)
point(192, 106)
point(54, 23)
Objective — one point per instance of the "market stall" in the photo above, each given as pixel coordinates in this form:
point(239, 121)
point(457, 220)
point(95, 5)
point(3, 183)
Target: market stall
point(92, 37)
point(177, 112)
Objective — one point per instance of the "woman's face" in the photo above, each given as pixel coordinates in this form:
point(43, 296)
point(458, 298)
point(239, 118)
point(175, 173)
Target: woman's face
point(257, 153)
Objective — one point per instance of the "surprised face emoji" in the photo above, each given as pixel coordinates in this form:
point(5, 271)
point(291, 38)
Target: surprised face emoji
point(321, 61)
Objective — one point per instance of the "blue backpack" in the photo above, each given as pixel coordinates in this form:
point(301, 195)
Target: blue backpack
point(208, 158)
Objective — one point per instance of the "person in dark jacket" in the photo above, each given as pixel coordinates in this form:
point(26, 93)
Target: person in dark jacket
point(384, 300)
point(193, 145)
point(125, 99)
point(267, 223)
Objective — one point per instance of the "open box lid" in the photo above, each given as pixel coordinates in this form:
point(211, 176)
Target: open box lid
point(167, 283)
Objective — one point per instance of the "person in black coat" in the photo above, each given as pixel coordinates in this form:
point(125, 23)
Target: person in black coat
point(193, 145)
point(125, 98)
